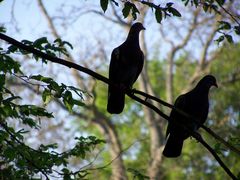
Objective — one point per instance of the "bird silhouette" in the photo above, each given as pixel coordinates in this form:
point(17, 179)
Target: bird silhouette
point(196, 104)
point(125, 66)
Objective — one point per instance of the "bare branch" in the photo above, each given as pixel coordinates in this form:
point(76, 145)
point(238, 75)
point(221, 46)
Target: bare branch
point(49, 21)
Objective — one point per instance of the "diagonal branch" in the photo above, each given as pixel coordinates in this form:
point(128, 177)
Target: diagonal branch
point(208, 130)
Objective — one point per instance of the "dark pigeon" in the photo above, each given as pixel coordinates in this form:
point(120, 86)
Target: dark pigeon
point(125, 66)
point(195, 103)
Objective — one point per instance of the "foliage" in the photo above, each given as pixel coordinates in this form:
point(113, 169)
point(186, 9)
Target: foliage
point(18, 160)
point(226, 29)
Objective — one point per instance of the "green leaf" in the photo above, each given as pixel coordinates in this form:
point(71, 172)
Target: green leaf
point(158, 15)
point(186, 2)
point(34, 110)
point(151, 5)
point(9, 65)
point(67, 43)
point(78, 102)
point(229, 38)
point(12, 49)
point(237, 30)
point(2, 81)
point(220, 2)
point(169, 4)
point(30, 122)
point(10, 153)
point(2, 29)
point(11, 99)
point(134, 11)
point(116, 4)
point(104, 4)
point(205, 7)
point(37, 43)
point(54, 86)
point(126, 9)
point(174, 12)
point(224, 25)
point(46, 96)
point(217, 147)
point(41, 78)
point(220, 39)
point(68, 100)
point(3, 135)
point(195, 2)
point(26, 42)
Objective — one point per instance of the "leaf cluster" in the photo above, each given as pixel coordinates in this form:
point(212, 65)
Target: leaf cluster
point(208, 6)
point(18, 160)
point(54, 49)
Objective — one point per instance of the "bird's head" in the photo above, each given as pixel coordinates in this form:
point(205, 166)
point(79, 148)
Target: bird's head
point(137, 27)
point(208, 81)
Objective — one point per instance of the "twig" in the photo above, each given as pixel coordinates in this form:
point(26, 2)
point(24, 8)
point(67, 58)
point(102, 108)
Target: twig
point(130, 93)
point(232, 148)
point(121, 152)
point(211, 150)
point(226, 11)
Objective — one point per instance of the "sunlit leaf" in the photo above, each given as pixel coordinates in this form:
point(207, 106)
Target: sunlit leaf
point(126, 9)
point(46, 96)
point(220, 39)
point(104, 4)
point(40, 41)
point(158, 15)
point(174, 12)
point(224, 25)
point(229, 38)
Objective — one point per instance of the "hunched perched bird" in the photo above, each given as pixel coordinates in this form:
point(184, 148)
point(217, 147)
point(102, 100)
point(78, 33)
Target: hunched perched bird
point(125, 66)
point(196, 104)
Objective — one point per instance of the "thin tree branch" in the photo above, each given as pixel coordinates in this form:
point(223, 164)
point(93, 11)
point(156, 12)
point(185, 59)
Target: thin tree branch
point(208, 130)
point(122, 151)
point(227, 12)
point(211, 150)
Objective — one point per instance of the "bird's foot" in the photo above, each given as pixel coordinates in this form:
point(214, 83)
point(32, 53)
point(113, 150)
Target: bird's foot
point(131, 91)
point(197, 136)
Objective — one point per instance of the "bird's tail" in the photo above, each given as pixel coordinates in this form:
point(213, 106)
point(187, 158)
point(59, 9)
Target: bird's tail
point(116, 98)
point(173, 148)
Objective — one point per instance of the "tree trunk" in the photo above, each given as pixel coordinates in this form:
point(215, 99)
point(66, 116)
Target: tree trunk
point(108, 129)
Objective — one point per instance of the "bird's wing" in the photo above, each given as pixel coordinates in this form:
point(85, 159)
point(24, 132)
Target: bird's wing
point(140, 64)
point(114, 65)
point(180, 103)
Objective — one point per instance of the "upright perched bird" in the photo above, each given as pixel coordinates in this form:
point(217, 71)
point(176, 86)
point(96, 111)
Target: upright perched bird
point(194, 103)
point(125, 66)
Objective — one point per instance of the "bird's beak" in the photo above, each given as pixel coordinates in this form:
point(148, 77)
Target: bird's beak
point(143, 28)
point(215, 85)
